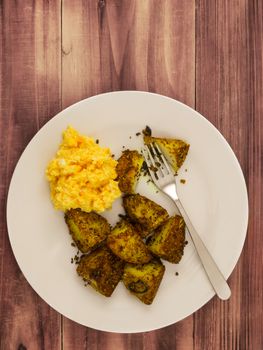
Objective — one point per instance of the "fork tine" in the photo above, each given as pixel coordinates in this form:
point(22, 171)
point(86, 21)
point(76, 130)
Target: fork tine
point(157, 159)
point(146, 154)
point(158, 172)
point(163, 159)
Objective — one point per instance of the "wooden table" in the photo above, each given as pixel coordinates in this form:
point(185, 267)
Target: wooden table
point(205, 53)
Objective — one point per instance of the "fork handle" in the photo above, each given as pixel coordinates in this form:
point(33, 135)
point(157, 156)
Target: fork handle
point(214, 274)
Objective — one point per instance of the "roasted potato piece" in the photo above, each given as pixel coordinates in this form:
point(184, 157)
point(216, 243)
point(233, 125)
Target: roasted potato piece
point(127, 244)
point(143, 280)
point(128, 170)
point(144, 211)
point(88, 230)
point(143, 232)
point(174, 150)
point(101, 269)
point(168, 240)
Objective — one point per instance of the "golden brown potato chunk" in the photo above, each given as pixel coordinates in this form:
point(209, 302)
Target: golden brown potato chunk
point(143, 232)
point(168, 240)
point(101, 269)
point(174, 150)
point(128, 170)
point(127, 244)
point(144, 211)
point(144, 280)
point(88, 230)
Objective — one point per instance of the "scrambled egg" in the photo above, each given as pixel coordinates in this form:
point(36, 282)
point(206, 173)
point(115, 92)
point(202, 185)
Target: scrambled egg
point(82, 174)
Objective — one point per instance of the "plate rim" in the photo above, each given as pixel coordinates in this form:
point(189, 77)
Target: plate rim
point(222, 138)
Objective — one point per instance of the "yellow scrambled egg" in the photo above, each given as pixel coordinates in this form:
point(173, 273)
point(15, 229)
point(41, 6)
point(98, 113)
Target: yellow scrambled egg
point(82, 174)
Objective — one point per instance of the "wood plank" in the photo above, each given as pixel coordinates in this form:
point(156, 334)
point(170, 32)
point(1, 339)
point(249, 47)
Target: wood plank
point(160, 49)
point(123, 45)
point(30, 95)
point(229, 59)
point(127, 47)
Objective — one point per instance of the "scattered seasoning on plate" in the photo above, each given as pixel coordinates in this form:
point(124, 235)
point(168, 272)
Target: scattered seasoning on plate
point(72, 260)
point(97, 141)
point(76, 258)
point(177, 273)
point(185, 170)
point(130, 137)
point(183, 181)
point(73, 244)
point(147, 131)
point(153, 168)
point(138, 134)
point(186, 242)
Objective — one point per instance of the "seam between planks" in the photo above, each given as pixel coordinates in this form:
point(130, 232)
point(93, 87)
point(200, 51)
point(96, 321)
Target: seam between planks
point(61, 94)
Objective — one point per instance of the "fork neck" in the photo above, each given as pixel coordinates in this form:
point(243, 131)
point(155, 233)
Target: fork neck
point(170, 190)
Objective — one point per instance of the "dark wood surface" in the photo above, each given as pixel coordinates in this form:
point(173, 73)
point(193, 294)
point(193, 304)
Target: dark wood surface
point(205, 53)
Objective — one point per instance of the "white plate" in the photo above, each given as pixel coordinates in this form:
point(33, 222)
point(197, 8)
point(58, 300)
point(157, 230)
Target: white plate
point(214, 195)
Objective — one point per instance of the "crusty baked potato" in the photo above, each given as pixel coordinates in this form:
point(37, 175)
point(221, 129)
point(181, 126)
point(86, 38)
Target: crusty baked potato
point(143, 232)
point(168, 240)
point(143, 280)
point(128, 170)
point(174, 150)
point(101, 269)
point(88, 230)
point(144, 211)
point(127, 244)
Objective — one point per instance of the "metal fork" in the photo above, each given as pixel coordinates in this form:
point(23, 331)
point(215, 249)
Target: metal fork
point(163, 177)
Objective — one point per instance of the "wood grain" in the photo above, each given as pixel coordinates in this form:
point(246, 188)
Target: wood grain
point(135, 45)
point(228, 92)
point(209, 55)
point(30, 95)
